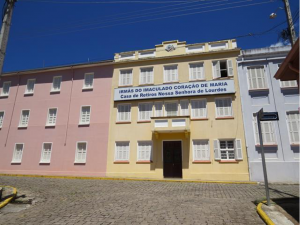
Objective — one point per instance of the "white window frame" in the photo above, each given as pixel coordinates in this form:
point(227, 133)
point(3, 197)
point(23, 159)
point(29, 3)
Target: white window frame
point(162, 109)
point(271, 128)
point(216, 108)
point(121, 78)
point(176, 79)
point(292, 136)
point(118, 113)
point(192, 111)
point(139, 112)
point(228, 149)
point(264, 77)
point(116, 151)
point(207, 158)
point(14, 153)
point(48, 116)
point(202, 71)
point(80, 118)
point(85, 87)
point(42, 160)
point(217, 72)
point(138, 151)
point(188, 107)
point(3, 85)
point(165, 108)
point(2, 120)
point(291, 83)
point(52, 87)
point(21, 116)
point(76, 152)
point(27, 92)
point(151, 79)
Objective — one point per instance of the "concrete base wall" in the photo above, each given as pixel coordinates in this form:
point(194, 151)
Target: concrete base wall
point(282, 172)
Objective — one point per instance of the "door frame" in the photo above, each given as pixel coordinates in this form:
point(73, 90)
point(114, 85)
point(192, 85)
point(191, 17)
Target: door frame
point(181, 152)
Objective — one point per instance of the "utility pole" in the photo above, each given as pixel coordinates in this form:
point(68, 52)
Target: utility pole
point(290, 21)
point(6, 22)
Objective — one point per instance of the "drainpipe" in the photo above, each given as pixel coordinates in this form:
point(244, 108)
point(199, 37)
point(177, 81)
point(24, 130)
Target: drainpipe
point(70, 100)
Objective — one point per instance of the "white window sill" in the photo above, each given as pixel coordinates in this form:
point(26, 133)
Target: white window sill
point(44, 162)
point(16, 161)
point(87, 88)
point(82, 124)
point(125, 85)
point(120, 122)
point(50, 125)
point(55, 91)
point(197, 80)
point(259, 89)
point(28, 93)
point(4, 95)
point(79, 162)
point(146, 84)
point(22, 126)
point(171, 82)
point(287, 88)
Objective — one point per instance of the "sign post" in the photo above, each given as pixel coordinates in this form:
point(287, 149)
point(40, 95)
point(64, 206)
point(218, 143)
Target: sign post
point(267, 116)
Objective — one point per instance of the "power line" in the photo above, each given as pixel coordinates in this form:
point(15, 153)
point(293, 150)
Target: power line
point(105, 2)
point(173, 16)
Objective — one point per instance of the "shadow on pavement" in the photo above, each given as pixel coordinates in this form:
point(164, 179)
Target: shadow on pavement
point(290, 205)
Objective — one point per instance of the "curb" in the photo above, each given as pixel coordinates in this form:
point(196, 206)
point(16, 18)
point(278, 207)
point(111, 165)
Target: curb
point(128, 179)
point(263, 215)
point(4, 203)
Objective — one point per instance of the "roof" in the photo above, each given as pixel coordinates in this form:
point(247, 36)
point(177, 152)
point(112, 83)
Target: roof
point(289, 69)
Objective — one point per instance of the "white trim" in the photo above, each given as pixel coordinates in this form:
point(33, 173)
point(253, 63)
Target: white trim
point(14, 161)
point(80, 117)
point(140, 103)
point(152, 79)
point(26, 88)
point(288, 127)
point(86, 148)
point(41, 159)
point(266, 86)
point(131, 77)
point(177, 75)
point(48, 124)
point(171, 101)
point(58, 90)
point(1, 124)
point(203, 71)
point(208, 148)
point(162, 108)
point(192, 114)
point(216, 110)
point(21, 118)
point(118, 117)
point(115, 157)
point(227, 149)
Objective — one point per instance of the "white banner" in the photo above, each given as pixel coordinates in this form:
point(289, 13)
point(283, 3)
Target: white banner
point(175, 90)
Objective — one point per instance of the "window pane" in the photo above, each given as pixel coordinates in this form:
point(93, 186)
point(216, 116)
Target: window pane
point(201, 150)
point(56, 83)
point(223, 107)
point(198, 108)
point(144, 150)
point(124, 111)
point(125, 77)
point(256, 78)
point(1, 118)
point(5, 88)
point(85, 114)
point(171, 108)
point(122, 151)
point(88, 80)
point(145, 111)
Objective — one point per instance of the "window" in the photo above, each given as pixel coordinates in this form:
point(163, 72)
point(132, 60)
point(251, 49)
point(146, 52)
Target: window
point(146, 76)
point(1, 118)
point(46, 153)
point(158, 109)
point(228, 149)
point(5, 88)
point(222, 68)
point(288, 84)
point(224, 107)
point(293, 126)
point(144, 151)
point(170, 74)
point(85, 115)
point(24, 118)
point(52, 114)
point(56, 84)
point(184, 108)
point(198, 108)
point(197, 71)
point(201, 150)
point(30, 86)
point(125, 78)
point(256, 78)
point(122, 151)
point(18, 152)
point(145, 111)
point(80, 156)
point(267, 130)
point(171, 109)
point(124, 113)
point(88, 81)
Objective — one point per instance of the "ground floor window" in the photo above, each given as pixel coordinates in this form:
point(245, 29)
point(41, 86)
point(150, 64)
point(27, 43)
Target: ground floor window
point(81, 150)
point(122, 151)
point(144, 150)
point(201, 150)
point(293, 126)
point(228, 149)
point(46, 153)
point(18, 152)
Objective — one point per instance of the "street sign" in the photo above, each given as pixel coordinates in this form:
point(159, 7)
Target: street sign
point(269, 116)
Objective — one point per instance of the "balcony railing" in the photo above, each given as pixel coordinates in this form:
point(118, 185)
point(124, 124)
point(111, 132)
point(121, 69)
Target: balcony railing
point(171, 124)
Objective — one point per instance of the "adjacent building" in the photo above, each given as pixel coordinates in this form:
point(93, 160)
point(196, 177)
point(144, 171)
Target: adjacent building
point(176, 113)
point(54, 121)
point(259, 89)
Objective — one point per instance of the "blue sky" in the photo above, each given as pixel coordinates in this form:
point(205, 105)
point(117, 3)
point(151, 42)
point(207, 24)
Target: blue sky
point(45, 33)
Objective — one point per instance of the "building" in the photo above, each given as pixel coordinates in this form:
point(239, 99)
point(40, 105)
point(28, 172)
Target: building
point(289, 69)
point(176, 112)
point(258, 88)
point(54, 121)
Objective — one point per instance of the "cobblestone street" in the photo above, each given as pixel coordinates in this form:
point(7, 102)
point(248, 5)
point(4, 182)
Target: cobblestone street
point(67, 201)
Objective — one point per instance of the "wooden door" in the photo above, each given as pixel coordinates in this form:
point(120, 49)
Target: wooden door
point(172, 159)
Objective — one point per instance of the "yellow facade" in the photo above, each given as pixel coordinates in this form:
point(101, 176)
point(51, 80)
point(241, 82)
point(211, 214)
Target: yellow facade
point(210, 128)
